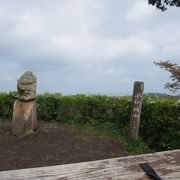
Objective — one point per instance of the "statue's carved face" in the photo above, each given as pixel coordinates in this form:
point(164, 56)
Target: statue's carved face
point(26, 87)
point(26, 91)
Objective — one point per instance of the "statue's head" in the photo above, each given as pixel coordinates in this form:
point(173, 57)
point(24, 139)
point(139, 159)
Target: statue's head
point(26, 86)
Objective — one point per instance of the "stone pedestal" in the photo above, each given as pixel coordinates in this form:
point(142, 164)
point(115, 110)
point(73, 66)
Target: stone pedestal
point(24, 121)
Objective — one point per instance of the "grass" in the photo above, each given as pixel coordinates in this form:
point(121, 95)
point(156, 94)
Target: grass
point(136, 146)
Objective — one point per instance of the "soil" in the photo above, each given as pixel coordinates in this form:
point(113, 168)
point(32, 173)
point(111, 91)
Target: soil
point(53, 144)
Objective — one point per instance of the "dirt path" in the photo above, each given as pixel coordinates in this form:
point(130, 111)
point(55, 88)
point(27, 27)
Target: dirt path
point(53, 145)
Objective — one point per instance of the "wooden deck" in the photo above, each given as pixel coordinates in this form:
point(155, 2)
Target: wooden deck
point(166, 164)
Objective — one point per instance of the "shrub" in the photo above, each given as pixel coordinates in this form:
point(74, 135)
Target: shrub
point(6, 105)
point(84, 109)
point(160, 123)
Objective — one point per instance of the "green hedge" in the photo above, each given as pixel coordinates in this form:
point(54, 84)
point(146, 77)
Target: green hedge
point(160, 123)
point(6, 105)
point(160, 119)
point(84, 109)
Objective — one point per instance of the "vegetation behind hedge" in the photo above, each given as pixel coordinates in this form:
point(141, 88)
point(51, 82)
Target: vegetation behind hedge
point(160, 119)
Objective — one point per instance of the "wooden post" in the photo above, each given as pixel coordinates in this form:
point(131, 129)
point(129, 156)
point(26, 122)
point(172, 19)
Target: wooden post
point(136, 109)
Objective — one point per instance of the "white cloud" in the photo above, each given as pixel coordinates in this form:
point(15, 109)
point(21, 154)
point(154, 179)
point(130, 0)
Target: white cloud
point(28, 26)
point(165, 40)
point(88, 45)
point(140, 11)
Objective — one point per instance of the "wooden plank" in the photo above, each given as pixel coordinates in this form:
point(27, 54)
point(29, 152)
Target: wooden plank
point(166, 164)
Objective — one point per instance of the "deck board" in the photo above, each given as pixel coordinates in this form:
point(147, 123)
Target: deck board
point(166, 164)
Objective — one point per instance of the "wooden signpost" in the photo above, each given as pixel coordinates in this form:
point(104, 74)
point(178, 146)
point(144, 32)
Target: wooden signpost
point(136, 109)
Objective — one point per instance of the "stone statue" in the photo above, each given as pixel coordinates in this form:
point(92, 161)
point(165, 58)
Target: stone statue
point(24, 119)
point(26, 87)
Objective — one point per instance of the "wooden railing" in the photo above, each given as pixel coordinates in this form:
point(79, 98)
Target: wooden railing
point(166, 164)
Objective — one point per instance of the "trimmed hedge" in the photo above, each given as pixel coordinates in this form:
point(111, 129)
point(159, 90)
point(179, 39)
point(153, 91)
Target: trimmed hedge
point(6, 105)
point(160, 123)
point(84, 109)
point(160, 119)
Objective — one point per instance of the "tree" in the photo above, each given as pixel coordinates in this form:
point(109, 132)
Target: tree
point(162, 4)
point(174, 69)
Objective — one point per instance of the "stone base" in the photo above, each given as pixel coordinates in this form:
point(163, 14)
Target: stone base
point(24, 121)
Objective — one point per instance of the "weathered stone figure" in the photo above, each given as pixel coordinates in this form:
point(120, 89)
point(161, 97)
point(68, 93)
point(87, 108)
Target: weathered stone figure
point(24, 119)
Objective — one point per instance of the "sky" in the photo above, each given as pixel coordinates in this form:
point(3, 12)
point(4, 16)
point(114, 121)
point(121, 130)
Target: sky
point(87, 46)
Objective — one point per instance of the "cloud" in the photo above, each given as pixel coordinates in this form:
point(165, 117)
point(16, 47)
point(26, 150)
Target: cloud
point(37, 34)
point(140, 11)
point(85, 46)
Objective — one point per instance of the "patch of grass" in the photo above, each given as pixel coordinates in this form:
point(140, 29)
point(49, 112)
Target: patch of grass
point(101, 129)
point(136, 146)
